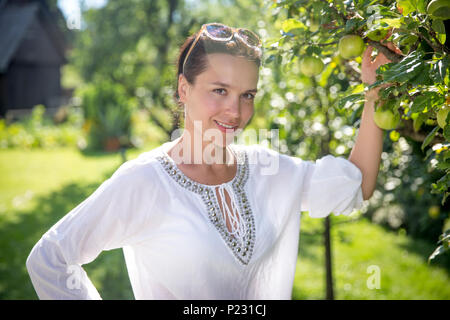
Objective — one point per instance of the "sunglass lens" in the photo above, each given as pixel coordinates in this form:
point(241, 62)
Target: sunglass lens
point(219, 31)
point(249, 37)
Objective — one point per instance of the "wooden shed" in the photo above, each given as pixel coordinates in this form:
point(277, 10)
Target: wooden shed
point(32, 52)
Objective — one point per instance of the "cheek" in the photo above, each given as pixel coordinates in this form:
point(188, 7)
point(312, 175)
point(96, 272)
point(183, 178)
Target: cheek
point(209, 105)
point(247, 112)
point(205, 106)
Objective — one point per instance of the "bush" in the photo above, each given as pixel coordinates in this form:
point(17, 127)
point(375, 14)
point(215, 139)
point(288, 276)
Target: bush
point(37, 131)
point(107, 111)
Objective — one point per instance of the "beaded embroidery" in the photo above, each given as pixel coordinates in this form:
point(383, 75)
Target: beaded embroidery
point(242, 244)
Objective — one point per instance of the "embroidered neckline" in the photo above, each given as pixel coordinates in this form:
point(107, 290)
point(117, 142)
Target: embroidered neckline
point(242, 247)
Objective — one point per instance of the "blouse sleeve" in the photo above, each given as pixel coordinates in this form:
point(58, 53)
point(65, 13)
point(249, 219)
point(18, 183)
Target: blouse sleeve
point(109, 218)
point(331, 185)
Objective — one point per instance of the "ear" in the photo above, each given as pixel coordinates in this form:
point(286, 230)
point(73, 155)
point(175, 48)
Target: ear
point(183, 88)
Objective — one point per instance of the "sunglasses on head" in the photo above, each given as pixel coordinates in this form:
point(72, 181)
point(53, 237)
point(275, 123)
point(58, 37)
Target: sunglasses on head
point(221, 32)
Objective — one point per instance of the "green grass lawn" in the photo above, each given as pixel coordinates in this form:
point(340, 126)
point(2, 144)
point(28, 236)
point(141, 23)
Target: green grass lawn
point(39, 187)
point(360, 251)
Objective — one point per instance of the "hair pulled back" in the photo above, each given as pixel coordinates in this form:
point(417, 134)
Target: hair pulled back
point(197, 61)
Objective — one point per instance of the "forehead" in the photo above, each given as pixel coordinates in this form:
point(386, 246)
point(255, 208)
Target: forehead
point(236, 71)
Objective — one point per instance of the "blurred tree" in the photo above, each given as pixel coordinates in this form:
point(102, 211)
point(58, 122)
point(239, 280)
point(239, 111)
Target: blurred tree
point(135, 44)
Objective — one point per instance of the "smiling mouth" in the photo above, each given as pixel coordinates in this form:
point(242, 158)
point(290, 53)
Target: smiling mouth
point(225, 127)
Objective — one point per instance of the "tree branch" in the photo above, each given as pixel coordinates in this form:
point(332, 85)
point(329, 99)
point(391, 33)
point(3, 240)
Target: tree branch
point(419, 136)
point(391, 55)
point(325, 44)
point(431, 44)
point(433, 34)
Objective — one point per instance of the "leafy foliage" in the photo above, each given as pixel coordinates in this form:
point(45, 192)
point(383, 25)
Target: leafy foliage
point(417, 80)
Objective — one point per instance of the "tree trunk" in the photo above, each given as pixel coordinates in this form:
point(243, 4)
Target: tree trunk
point(327, 227)
point(328, 260)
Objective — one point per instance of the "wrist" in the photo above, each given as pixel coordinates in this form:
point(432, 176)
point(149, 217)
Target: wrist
point(370, 99)
point(371, 95)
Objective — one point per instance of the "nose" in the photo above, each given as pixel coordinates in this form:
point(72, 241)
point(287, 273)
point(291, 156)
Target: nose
point(233, 109)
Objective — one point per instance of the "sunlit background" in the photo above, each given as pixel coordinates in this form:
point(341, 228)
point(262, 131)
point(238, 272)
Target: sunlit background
point(89, 85)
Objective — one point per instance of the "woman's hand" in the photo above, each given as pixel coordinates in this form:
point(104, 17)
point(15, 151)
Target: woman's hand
point(369, 67)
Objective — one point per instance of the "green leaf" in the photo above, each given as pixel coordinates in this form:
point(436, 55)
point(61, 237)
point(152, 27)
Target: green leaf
point(439, 69)
point(447, 132)
point(410, 6)
point(406, 69)
point(422, 78)
point(311, 50)
point(357, 112)
point(419, 120)
point(351, 24)
point(446, 194)
point(445, 236)
point(346, 102)
point(396, 23)
point(439, 250)
point(291, 24)
point(443, 165)
point(429, 137)
point(421, 6)
point(407, 6)
point(439, 27)
point(446, 155)
point(376, 83)
point(428, 154)
point(424, 102)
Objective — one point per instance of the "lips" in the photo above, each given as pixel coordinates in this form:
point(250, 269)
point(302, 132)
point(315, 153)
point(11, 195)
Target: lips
point(222, 128)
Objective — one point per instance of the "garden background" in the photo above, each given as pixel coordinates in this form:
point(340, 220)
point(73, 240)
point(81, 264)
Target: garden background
point(120, 68)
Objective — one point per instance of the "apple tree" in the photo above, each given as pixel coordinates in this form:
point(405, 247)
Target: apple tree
point(322, 41)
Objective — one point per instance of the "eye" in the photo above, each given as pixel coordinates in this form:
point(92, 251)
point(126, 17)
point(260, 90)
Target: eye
point(249, 96)
point(220, 90)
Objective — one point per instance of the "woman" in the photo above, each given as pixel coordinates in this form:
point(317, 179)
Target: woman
point(200, 217)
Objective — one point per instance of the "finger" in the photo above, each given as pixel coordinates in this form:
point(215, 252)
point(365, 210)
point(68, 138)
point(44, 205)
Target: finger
point(367, 60)
point(380, 62)
point(397, 50)
point(381, 59)
point(392, 47)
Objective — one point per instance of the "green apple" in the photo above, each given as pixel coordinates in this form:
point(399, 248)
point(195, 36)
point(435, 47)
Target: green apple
point(434, 211)
point(439, 9)
point(442, 116)
point(386, 119)
point(311, 66)
point(351, 46)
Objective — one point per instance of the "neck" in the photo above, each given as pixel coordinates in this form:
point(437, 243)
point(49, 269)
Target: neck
point(188, 150)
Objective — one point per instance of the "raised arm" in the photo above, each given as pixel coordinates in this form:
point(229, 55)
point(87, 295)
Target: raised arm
point(366, 153)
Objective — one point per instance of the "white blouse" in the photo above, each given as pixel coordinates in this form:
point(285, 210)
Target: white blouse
point(173, 232)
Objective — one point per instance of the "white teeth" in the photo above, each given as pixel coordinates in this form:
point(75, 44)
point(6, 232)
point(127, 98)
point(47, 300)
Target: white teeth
point(225, 125)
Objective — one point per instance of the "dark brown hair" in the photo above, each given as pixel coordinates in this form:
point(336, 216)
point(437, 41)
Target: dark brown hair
point(197, 60)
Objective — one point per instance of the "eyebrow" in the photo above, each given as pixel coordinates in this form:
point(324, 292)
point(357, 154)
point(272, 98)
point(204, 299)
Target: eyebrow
point(227, 86)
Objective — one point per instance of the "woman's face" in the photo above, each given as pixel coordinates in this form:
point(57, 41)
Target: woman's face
point(223, 93)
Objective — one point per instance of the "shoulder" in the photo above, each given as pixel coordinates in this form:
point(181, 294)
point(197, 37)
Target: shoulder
point(271, 162)
point(140, 171)
point(257, 151)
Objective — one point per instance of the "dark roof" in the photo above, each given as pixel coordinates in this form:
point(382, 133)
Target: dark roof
point(14, 22)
